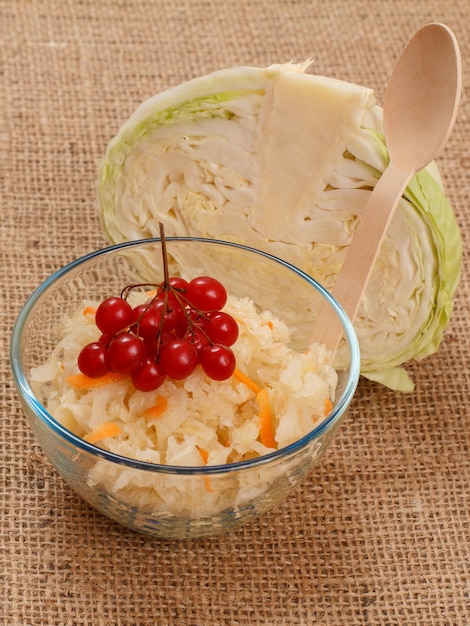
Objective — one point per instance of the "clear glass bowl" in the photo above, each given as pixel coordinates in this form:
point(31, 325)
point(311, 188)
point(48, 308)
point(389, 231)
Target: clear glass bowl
point(216, 498)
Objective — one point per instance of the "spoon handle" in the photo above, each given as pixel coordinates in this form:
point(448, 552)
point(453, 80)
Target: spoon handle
point(362, 254)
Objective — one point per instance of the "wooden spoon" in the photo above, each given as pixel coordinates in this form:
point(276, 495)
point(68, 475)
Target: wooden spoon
point(419, 111)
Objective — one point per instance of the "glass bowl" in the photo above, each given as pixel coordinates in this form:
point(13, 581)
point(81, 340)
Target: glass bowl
point(147, 497)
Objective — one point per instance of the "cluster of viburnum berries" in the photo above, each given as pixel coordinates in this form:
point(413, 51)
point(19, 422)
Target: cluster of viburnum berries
point(180, 326)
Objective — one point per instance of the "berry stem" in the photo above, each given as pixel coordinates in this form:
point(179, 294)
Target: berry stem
point(128, 288)
point(166, 274)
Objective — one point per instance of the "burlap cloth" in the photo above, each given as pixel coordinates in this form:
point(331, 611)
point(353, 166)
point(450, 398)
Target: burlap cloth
point(380, 533)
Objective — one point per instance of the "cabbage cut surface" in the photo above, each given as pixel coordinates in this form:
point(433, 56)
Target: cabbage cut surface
point(284, 160)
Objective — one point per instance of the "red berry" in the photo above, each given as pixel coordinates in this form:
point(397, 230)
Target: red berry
point(178, 283)
point(170, 316)
point(198, 339)
point(154, 344)
point(112, 315)
point(178, 359)
point(93, 360)
point(125, 353)
point(151, 347)
point(182, 325)
point(146, 320)
point(217, 361)
point(148, 376)
point(177, 286)
point(105, 338)
point(222, 328)
point(206, 293)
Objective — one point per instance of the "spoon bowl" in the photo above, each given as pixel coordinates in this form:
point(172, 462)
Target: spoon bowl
point(421, 101)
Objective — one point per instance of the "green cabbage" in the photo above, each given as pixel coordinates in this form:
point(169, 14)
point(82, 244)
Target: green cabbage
point(284, 161)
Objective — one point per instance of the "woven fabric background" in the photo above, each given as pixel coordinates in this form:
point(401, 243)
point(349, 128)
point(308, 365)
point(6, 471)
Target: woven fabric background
point(380, 533)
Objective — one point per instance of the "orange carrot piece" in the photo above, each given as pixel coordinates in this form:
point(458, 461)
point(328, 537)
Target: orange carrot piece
point(107, 429)
point(270, 324)
point(207, 482)
point(266, 433)
point(247, 381)
point(151, 294)
point(158, 408)
point(328, 406)
point(80, 381)
point(265, 416)
point(89, 310)
point(204, 454)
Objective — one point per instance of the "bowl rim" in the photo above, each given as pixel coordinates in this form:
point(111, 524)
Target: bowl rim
point(33, 403)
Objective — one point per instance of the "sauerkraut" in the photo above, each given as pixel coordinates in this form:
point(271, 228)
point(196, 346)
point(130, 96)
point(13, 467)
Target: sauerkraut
point(202, 421)
point(193, 422)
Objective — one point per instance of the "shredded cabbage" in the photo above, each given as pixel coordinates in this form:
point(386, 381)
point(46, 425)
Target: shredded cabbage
point(284, 161)
point(221, 417)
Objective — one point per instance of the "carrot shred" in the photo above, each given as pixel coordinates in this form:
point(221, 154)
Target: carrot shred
point(247, 381)
point(80, 381)
point(158, 408)
point(270, 324)
point(107, 429)
point(204, 454)
point(89, 310)
point(266, 433)
point(328, 406)
point(151, 294)
point(207, 482)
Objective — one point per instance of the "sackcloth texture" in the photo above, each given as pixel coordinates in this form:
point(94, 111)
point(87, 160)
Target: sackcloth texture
point(379, 534)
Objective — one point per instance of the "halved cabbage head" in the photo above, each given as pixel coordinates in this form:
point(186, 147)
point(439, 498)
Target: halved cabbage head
point(284, 161)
